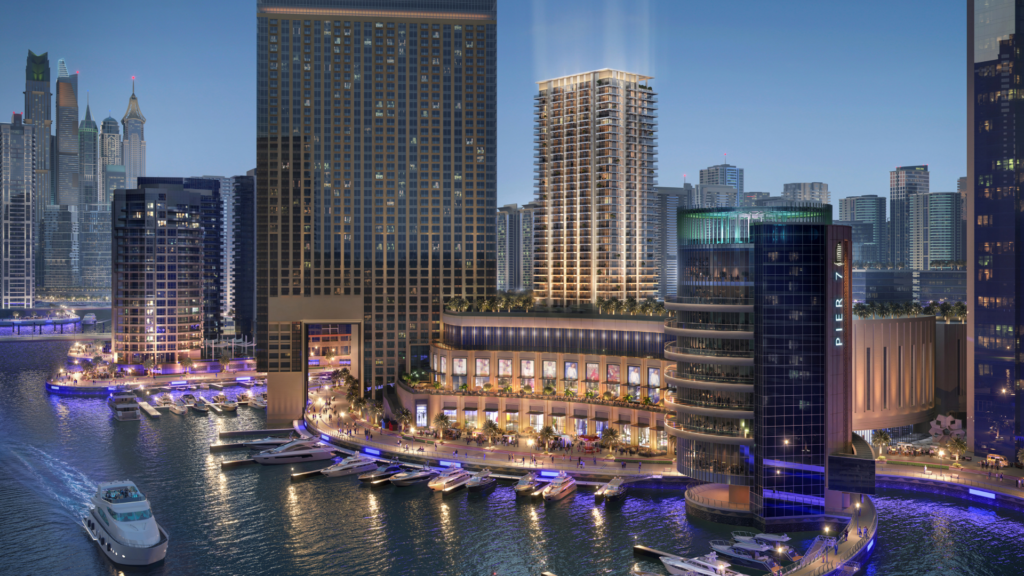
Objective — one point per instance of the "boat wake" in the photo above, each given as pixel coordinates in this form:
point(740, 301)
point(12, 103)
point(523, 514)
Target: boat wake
point(49, 477)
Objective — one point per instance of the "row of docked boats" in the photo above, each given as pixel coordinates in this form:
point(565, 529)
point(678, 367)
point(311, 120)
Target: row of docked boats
point(746, 549)
point(201, 404)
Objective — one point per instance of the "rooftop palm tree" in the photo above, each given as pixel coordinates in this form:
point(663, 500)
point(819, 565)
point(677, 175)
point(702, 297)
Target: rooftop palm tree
point(860, 310)
point(874, 309)
point(601, 304)
point(632, 306)
point(960, 311)
point(915, 309)
point(946, 311)
point(526, 301)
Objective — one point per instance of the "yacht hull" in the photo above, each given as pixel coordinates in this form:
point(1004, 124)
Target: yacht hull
point(351, 471)
point(119, 553)
point(481, 486)
point(293, 458)
point(553, 496)
point(412, 481)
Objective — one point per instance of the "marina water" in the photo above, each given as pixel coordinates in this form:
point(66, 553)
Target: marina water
point(253, 520)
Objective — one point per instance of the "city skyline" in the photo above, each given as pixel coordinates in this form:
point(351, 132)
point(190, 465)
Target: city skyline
point(786, 151)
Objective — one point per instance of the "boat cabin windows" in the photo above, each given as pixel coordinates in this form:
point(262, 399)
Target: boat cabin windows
point(131, 516)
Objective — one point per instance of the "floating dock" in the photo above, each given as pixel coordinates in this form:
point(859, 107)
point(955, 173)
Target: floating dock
point(652, 553)
point(148, 409)
point(235, 463)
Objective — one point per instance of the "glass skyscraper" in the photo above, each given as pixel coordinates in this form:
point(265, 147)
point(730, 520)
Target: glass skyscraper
point(133, 147)
point(996, 316)
point(376, 179)
point(88, 160)
point(38, 107)
point(67, 137)
point(904, 182)
point(18, 177)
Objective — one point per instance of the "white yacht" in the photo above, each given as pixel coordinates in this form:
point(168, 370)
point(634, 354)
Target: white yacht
point(411, 477)
point(266, 443)
point(188, 399)
point(242, 398)
point(257, 401)
point(780, 542)
point(382, 473)
point(228, 406)
point(164, 399)
point(450, 479)
point(482, 480)
point(219, 398)
point(747, 553)
point(357, 464)
point(528, 485)
point(613, 490)
point(178, 407)
point(295, 451)
point(121, 523)
point(200, 406)
point(124, 405)
point(560, 487)
point(708, 565)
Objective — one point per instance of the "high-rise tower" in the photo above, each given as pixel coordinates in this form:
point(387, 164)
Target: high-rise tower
point(38, 115)
point(133, 151)
point(596, 150)
point(18, 176)
point(995, 378)
point(88, 160)
point(874, 247)
point(935, 229)
point(904, 182)
point(376, 182)
point(67, 137)
point(724, 175)
point(110, 156)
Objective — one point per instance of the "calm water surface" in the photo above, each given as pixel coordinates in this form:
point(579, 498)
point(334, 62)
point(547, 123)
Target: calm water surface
point(252, 520)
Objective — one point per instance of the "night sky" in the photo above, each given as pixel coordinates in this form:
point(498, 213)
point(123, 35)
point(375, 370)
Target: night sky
point(792, 90)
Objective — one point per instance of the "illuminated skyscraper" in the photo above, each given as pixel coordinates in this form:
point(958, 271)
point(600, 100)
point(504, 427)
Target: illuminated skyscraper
point(18, 177)
point(904, 182)
point(133, 147)
point(596, 150)
point(88, 160)
point(67, 137)
point(110, 155)
point(376, 180)
point(38, 106)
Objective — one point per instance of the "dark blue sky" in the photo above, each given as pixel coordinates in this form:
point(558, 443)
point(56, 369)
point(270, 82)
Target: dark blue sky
point(839, 92)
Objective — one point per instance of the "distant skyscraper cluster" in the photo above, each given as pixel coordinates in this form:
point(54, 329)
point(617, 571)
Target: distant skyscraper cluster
point(66, 180)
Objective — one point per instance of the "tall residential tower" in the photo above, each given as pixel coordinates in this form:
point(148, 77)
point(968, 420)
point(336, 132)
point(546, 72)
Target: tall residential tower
point(38, 106)
point(66, 154)
point(376, 183)
point(904, 182)
point(133, 147)
point(18, 177)
point(596, 152)
point(723, 175)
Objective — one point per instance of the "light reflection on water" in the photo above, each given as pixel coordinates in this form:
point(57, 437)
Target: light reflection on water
point(253, 520)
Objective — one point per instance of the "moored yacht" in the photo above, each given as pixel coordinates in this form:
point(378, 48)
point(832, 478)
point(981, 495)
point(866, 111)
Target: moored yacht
point(560, 487)
point(613, 490)
point(708, 565)
point(482, 480)
point(357, 464)
point(266, 443)
point(411, 477)
point(121, 523)
point(257, 401)
point(450, 479)
point(242, 398)
point(178, 407)
point(200, 405)
point(383, 472)
point(165, 399)
point(228, 406)
point(528, 485)
point(124, 405)
point(219, 398)
point(295, 451)
point(188, 399)
point(779, 542)
point(750, 554)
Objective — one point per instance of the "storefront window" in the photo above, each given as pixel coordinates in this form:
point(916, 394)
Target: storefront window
point(626, 434)
point(526, 369)
point(470, 418)
point(459, 366)
point(581, 426)
point(599, 427)
point(662, 440)
point(421, 415)
point(511, 422)
point(504, 367)
point(491, 415)
point(571, 371)
point(613, 372)
point(643, 436)
point(483, 367)
point(593, 372)
point(550, 370)
point(452, 414)
point(536, 421)
point(654, 384)
point(634, 375)
point(558, 423)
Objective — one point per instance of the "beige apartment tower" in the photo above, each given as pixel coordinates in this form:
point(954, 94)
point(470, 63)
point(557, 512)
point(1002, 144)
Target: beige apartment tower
point(596, 151)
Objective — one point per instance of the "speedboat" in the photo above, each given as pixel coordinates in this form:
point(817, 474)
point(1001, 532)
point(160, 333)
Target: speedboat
point(295, 451)
point(560, 487)
point(613, 490)
point(482, 480)
point(164, 399)
point(357, 464)
point(188, 399)
point(124, 405)
point(242, 398)
point(266, 443)
point(219, 398)
point(257, 402)
point(747, 553)
point(200, 405)
point(450, 479)
point(228, 406)
point(779, 542)
point(528, 485)
point(411, 477)
point(381, 474)
point(178, 407)
point(708, 565)
point(121, 523)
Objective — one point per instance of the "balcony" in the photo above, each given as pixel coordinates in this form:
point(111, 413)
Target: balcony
point(719, 436)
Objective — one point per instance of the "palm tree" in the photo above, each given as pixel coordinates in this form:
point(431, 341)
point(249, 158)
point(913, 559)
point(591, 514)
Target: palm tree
point(632, 306)
point(960, 311)
point(946, 310)
point(404, 418)
point(187, 364)
point(442, 422)
point(337, 377)
point(874, 309)
point(609, 438)
point(601, 304)
point(491, 430)
point(357, 405)
point(546, 434)
point(148, 364)
point(957, 446)
point(505, 301)
point(860, 310)
point(915, 309)
point(526, 300)
point(328, 353)
point(659, 309)
point(1020, 455)
point(886, 309)
point(225, 359)
point(880, 439)
point(376, 409)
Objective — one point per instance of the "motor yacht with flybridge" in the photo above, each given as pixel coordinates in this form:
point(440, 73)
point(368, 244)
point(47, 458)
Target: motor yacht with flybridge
point(124, 405)
point(411, 477)
point(295, 451)
point(750, 554)
point(382, 473)
point(780, 542)
point(482, 480)
point(707, 565)
point(121, 523)
point(357, 464)
point(560, 487)
point(452, 478)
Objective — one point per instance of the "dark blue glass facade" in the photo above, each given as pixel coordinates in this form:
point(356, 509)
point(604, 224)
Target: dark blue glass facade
point(791, 272)
point(994, 173)
point(560, 340)
point(244, 224)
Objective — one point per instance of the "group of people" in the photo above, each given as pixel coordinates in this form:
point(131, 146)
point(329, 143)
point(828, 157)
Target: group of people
point(121, 494)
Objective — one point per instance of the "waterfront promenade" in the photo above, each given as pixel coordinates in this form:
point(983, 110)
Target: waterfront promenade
point(345, 428)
